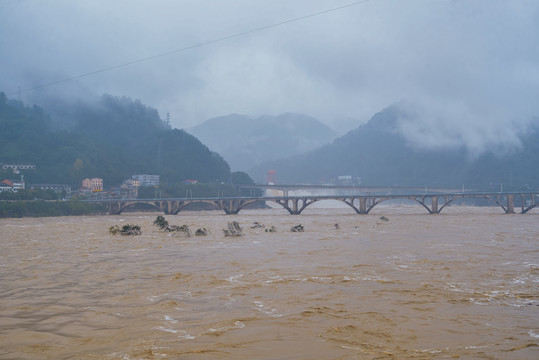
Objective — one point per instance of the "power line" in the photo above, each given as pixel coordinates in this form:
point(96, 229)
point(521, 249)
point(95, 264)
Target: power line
point(224, 38)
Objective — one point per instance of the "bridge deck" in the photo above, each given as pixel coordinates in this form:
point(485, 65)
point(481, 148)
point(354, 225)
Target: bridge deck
point(361, 203)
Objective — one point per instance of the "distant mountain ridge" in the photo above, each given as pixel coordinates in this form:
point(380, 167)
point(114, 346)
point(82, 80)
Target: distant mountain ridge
point(245, 141)
point(379, 154)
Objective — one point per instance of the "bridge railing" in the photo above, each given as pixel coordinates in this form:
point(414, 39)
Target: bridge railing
point(361, 203)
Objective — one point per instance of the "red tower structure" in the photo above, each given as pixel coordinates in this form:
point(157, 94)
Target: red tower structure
point(271, 177)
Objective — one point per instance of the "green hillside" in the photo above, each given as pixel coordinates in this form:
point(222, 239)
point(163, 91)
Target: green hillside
point(109, 137)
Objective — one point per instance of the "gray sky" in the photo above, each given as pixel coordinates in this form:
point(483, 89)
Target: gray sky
point(465, 70)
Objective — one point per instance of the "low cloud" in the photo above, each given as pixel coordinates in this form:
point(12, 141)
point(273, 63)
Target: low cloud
point(470, 68)
point(431, 124)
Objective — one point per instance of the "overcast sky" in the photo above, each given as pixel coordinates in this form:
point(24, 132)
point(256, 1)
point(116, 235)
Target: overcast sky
point(467, 68)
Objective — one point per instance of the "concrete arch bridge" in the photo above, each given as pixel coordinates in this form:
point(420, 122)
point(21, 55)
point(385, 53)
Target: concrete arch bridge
point(362, 204)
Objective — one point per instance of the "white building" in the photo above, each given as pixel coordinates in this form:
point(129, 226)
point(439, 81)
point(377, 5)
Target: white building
point(12, 185)
point(146, 180)
point(5, 186)
point(58, 188)
point(18, 167)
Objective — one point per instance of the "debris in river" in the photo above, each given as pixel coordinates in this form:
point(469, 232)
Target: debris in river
point(234, 229)
point(162, 223)
point(297, 228)
point(125, 230)
point(257, 225)
point(180, 230)
point(201, 232)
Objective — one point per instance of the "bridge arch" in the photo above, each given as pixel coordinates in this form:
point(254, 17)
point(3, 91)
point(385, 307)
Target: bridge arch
point(525, 210)
point(347, 201)
point(183, 204)
point(508, 208)
point(126, 205)
point(298, 203)
point(367, 203)
point(243, 204)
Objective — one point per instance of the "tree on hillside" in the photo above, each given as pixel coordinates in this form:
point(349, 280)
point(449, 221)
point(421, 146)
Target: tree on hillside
point(111, 138)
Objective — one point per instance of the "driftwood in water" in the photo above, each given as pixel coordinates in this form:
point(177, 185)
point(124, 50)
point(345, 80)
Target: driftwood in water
point(233, 229)
point(201, 232)
point(257, 225)
point(180, 230)
point(125, 230)
point(162, 223)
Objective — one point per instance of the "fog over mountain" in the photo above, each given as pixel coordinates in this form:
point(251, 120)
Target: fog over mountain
point(390, 150)
point(468, 70)
point(245, 141)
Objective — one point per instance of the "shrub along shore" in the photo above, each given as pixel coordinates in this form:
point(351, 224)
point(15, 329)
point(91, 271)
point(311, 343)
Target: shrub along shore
point(41, 208)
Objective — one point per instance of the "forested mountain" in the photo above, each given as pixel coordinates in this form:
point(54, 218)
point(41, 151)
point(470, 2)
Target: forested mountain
point(245, 142)
point(379, 154)
point(109, 137)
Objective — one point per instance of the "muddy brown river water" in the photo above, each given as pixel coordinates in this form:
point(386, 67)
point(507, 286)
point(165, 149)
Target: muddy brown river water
point(461, 284)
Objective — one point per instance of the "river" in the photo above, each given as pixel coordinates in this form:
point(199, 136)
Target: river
point(461, 284)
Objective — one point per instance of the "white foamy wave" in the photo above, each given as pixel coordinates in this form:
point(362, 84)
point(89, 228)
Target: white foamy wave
point(185, 336)
point(177, 296)
point(430, 351)
point(478, 302)
point(273, 279)
point(237, 325)
point(502, 298)
point(261, 307)
point(165, 329)
point(475, 347)
point(234, 278)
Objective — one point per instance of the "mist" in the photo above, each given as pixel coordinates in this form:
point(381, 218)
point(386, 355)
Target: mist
point(463, 72)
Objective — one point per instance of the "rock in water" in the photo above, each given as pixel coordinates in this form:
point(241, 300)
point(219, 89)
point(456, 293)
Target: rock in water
point(201, 232)
point(233, 229)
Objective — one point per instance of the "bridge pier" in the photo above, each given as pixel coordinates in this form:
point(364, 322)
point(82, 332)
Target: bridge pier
point(114, 208)
point(434, 202)
point(510, 204)
point(362, 205)
point(286, 204)
point(230, 207)
point(296, 208)
point(434, 205)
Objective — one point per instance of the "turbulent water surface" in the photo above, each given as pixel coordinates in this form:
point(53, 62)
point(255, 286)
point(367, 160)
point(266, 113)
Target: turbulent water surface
point(460, 284)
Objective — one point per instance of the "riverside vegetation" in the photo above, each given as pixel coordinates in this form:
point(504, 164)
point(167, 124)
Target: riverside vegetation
point(107, 137)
